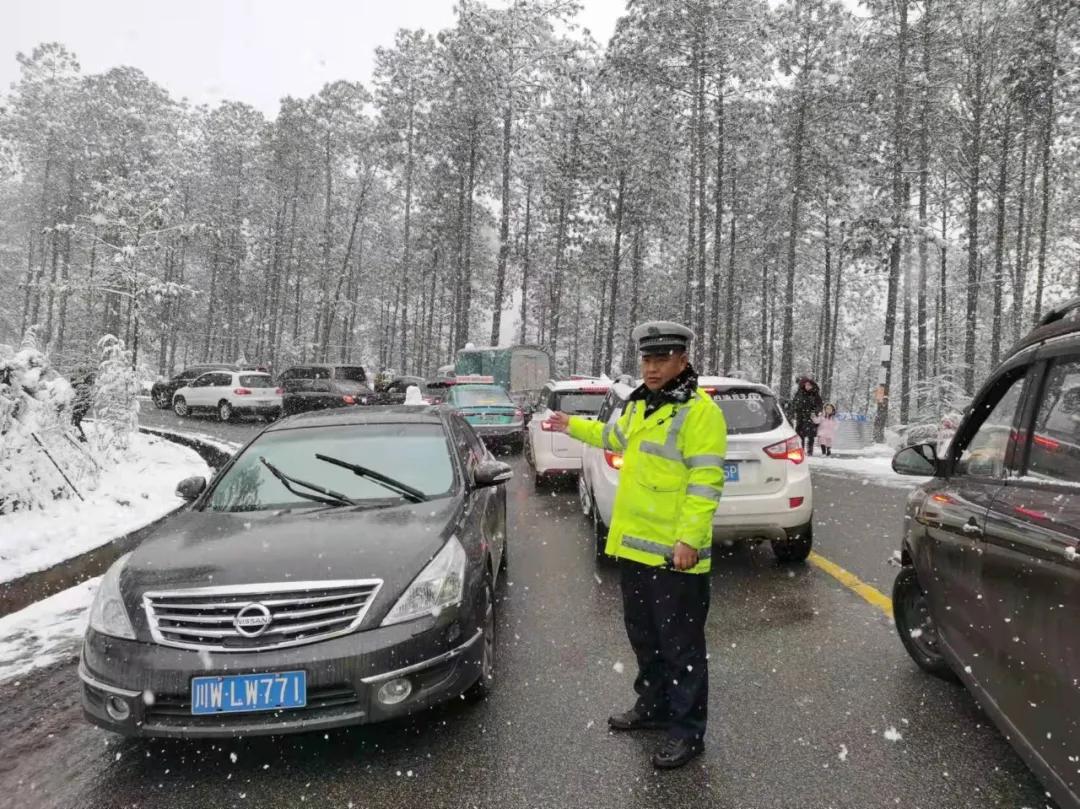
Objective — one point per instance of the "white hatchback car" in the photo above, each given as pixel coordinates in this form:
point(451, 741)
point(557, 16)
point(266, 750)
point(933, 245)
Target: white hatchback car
point(553, 454)
point(767, 491)
point(230, 394)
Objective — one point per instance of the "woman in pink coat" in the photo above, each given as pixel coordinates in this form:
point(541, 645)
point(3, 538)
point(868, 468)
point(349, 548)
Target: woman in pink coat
point(826, 431)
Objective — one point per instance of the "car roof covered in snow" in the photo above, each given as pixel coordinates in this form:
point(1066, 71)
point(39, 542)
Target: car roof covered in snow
point(357, 416)
point(560, 385)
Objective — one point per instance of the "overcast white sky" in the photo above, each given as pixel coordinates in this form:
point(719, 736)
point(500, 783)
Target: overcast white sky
point(254, 51)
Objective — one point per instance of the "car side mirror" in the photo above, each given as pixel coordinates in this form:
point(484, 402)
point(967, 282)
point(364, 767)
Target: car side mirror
point(920, 460)
point(190, 488)
point(491, 473)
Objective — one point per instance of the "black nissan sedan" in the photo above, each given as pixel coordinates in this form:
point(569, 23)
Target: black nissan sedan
point(341, 569)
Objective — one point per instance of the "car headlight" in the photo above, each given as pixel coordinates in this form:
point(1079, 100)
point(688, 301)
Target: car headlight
point(438, 586)
point(108, 615)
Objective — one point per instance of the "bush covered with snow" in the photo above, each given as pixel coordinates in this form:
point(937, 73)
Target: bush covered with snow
point(35, 422)
point(114, 406)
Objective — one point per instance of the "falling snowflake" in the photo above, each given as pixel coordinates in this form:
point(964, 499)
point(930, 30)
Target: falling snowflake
point(619, 667)
point(842, 755)
point(232, 757)
point(892, 734)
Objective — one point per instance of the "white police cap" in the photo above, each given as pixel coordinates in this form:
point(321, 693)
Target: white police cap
point(661, 337)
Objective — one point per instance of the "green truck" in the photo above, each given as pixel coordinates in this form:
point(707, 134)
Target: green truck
point(520, 369)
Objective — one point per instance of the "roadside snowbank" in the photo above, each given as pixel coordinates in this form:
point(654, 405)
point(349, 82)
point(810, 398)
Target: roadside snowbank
point(46, 631)
point(873, 465)
point(137, 491)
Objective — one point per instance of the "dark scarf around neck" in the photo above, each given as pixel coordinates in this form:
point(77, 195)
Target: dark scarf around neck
point(677, 391)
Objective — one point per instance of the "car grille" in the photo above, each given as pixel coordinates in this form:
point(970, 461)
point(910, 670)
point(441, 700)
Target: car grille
point(322, 703)
point(287, 614)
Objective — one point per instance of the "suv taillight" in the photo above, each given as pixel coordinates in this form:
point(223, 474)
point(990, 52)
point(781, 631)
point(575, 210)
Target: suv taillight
point(614, 459)
point(241, 391)
point(790, 450)
point(348, 399)
point(279, 391)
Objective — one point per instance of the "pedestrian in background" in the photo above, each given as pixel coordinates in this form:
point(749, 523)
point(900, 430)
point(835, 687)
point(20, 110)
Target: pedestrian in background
point(673, 439)
point(826, 429)
point(805, 404)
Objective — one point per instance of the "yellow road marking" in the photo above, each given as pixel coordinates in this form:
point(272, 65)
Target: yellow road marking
point(854, 583)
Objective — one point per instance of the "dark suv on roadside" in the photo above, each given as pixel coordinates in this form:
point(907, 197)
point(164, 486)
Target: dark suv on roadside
point(320, 387)
point(989, 589)
point(161, 392)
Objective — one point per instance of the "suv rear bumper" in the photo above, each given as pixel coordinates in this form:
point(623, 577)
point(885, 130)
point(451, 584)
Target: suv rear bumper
point(764, 516)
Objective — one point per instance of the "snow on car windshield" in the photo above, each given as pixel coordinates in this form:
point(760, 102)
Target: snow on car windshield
point(414, 454)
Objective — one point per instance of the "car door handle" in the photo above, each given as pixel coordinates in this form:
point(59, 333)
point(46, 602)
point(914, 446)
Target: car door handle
point(972, 529)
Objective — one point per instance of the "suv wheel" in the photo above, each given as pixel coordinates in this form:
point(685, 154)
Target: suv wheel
point(916, 627)
point(485, 683)
point(600, 532)
point(796, 547)
point(225, 411)
point(584, 495)
point(180, 407)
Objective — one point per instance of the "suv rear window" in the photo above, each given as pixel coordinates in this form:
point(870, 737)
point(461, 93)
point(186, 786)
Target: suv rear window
point(578, 403)
point(256, 381)
point(305, 372)
point(353, 373)
point(748, 411)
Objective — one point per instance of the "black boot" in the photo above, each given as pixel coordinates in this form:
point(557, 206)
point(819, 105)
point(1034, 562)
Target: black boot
point(632, 720)
point(677, 752)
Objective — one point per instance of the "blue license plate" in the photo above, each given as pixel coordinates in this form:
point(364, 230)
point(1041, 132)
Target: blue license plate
point(731, 473)
point(240, 693)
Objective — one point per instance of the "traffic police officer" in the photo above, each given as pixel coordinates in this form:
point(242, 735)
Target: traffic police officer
point(673, 439)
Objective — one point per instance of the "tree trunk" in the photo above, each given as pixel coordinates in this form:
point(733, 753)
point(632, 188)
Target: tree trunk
point(921, 370)
point(1044, 220)
point(729, 320)
point(525, 265)
point(406, 260)
point(974, 161)
point(898, 204)
point(504, 216)
point(636, 260)
point(787, 349)
point(616, 260)
point(702, 213)
point(999, 241)
point(718, 221)
point(1019, 274)
point(822, 349)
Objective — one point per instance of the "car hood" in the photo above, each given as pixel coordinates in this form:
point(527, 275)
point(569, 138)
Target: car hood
point(215, 549)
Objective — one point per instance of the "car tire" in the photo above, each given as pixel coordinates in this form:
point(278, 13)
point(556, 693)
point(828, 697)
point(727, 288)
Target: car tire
point(180, 407)
point(485, 683)
point(915, 625)
point(600, 532)
point(225, 412)
point(527, 451)
point(540, 483)
point(161, 400)
point(796, 547)
point(584, 496)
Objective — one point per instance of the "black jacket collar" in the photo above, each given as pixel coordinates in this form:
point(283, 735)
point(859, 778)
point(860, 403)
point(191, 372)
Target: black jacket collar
point(676, 392)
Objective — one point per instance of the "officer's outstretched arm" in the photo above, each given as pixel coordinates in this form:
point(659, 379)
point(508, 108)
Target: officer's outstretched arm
point(704, 446)
point(610, 436)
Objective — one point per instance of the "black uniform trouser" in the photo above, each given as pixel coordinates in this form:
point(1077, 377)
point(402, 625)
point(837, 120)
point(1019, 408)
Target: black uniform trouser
point(665, 615)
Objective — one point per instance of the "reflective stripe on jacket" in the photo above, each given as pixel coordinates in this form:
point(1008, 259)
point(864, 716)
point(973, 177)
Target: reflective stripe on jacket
point(671, 479)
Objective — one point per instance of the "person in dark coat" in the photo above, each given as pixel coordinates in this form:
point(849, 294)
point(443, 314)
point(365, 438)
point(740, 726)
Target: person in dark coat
point(805, 404)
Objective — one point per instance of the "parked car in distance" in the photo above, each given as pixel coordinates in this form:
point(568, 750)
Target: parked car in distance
point(394, 391)
point(321, 387)
point(767, 491)
point(989, 586)
point(386, 606)
point(554, 454)
point(161, 392)
point(230, 394)
point(490, 410)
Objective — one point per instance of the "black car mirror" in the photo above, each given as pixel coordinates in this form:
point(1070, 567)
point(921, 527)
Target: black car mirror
point(190, 488)
point(920, 460)
point(492, 473)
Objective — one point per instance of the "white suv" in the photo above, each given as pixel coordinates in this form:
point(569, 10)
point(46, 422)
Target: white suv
point(229, 394)
point(551, 453)
point(767, 492)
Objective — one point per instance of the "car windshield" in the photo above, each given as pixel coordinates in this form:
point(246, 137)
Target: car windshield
point(352, 373)
point(579, 403)
point(415, 454)
point(748, 411)
point(481, 396)
point(256, 381)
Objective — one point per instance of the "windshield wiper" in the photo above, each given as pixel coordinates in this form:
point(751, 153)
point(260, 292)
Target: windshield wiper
point(405, 490)
point(330, 497)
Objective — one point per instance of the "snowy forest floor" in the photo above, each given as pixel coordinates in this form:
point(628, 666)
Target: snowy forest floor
point(135, 492)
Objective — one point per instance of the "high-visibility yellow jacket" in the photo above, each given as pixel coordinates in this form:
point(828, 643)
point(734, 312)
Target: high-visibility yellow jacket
point(671, 479)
